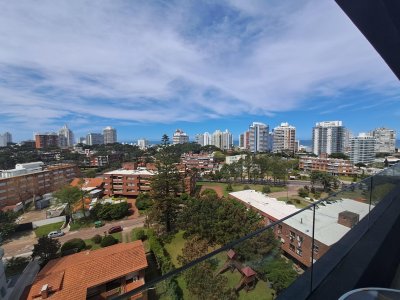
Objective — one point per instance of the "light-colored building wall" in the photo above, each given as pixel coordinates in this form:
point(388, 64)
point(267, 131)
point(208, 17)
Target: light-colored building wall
point(328, 137)
point(94, 139)
point(362, 149)
point(284, 138)
point(110, 135)
point(180, 137)
point(258, 137)
point(385, 140)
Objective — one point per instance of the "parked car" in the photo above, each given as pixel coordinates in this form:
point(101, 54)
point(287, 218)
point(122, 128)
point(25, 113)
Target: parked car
point(115, 229)
point(54, 234)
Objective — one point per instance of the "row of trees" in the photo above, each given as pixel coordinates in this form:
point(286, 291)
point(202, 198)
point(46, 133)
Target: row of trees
point(257, 167)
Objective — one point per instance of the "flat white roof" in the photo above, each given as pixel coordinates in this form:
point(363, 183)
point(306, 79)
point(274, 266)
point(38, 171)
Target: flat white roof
point(130, 172)
point(327, 229)
point(271, 206)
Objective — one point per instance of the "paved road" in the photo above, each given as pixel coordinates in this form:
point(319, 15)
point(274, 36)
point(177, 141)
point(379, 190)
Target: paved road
point(22, 245)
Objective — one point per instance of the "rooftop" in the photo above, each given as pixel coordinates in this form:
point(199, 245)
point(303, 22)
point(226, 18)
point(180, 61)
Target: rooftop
point(139, 171)
point(69, 277)
point(271, 206)
point(328, 231)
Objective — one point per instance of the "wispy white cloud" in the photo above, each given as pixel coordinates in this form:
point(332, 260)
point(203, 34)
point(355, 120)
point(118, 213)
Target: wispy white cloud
point(167, 61)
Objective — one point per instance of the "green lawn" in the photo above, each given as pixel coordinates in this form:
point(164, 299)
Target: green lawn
point(45, 229)
point(174, 248)
point(239, 187)
point(347, 178)
point(145, 242)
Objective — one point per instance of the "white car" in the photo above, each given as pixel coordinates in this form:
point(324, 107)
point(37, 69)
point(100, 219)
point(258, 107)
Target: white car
point(54, 234)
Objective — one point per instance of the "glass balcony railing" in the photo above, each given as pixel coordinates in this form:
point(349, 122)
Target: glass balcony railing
point(252, 267)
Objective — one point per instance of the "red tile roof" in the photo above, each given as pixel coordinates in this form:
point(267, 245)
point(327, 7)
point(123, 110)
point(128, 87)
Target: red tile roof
point(87, 182)
point(69, 277)
point(248, 272)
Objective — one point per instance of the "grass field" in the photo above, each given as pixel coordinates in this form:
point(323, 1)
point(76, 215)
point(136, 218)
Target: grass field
point(45, 229)
point(174, 248)
point(239, 187)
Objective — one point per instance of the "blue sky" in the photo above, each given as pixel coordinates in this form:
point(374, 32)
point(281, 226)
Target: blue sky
point(149, 67)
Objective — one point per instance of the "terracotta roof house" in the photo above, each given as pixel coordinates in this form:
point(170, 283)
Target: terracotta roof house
point(98, 274)
point(88, 183)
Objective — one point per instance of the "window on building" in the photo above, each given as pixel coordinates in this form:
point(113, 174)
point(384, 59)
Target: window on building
point(279, 228)
point(291, 247)
point(316, 248)
point(292, 236)
point(299, 252)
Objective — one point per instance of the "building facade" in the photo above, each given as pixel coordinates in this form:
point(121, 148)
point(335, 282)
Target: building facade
point(334, 220)
point(284, 138)
point(258, 137)
point(204, 139)
point(203, 162)
point(362, 149)
point(24, 187)
point(143, 144)
point(222, 140)
point(66, 137)
point(244, 141)
point(385, 140)
point(46, 140)
point(180, 137)
point(110, 135)
point(334, 166)
point(94, 139)
point(328, 137)
point(5, 139)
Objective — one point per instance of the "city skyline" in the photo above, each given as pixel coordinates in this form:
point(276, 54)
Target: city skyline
point(219, 66)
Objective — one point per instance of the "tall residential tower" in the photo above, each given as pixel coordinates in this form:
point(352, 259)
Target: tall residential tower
point(110, 135)
point(328, 137)
point(284, 138)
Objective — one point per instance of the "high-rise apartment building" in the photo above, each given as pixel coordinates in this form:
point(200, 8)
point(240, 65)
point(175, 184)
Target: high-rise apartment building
point(244, 140)
point(328, 137)
point(5, 138)
point(222, 140)
point(385, 140)
point(258, 137)
point(110, 135)
point(94, 139)
point(143, 144)
point(362, 149)
point(204, 139)
point(284, 138)
point(180, 137)
point(66, 137)
point(46, 140)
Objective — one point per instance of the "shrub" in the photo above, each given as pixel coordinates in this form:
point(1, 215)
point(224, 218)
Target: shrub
point(140, 235)
point(108, 240)
point(229, 188)
point(97, 239)
point(303, 192)
point(246, 187)
point(110, 211)
point(74, 244)
point(266, 189)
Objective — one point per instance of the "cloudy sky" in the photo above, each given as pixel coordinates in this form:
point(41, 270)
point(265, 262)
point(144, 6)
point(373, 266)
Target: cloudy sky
point(149, 67)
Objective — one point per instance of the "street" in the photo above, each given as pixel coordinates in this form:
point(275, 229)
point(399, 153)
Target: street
point(22, 243)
